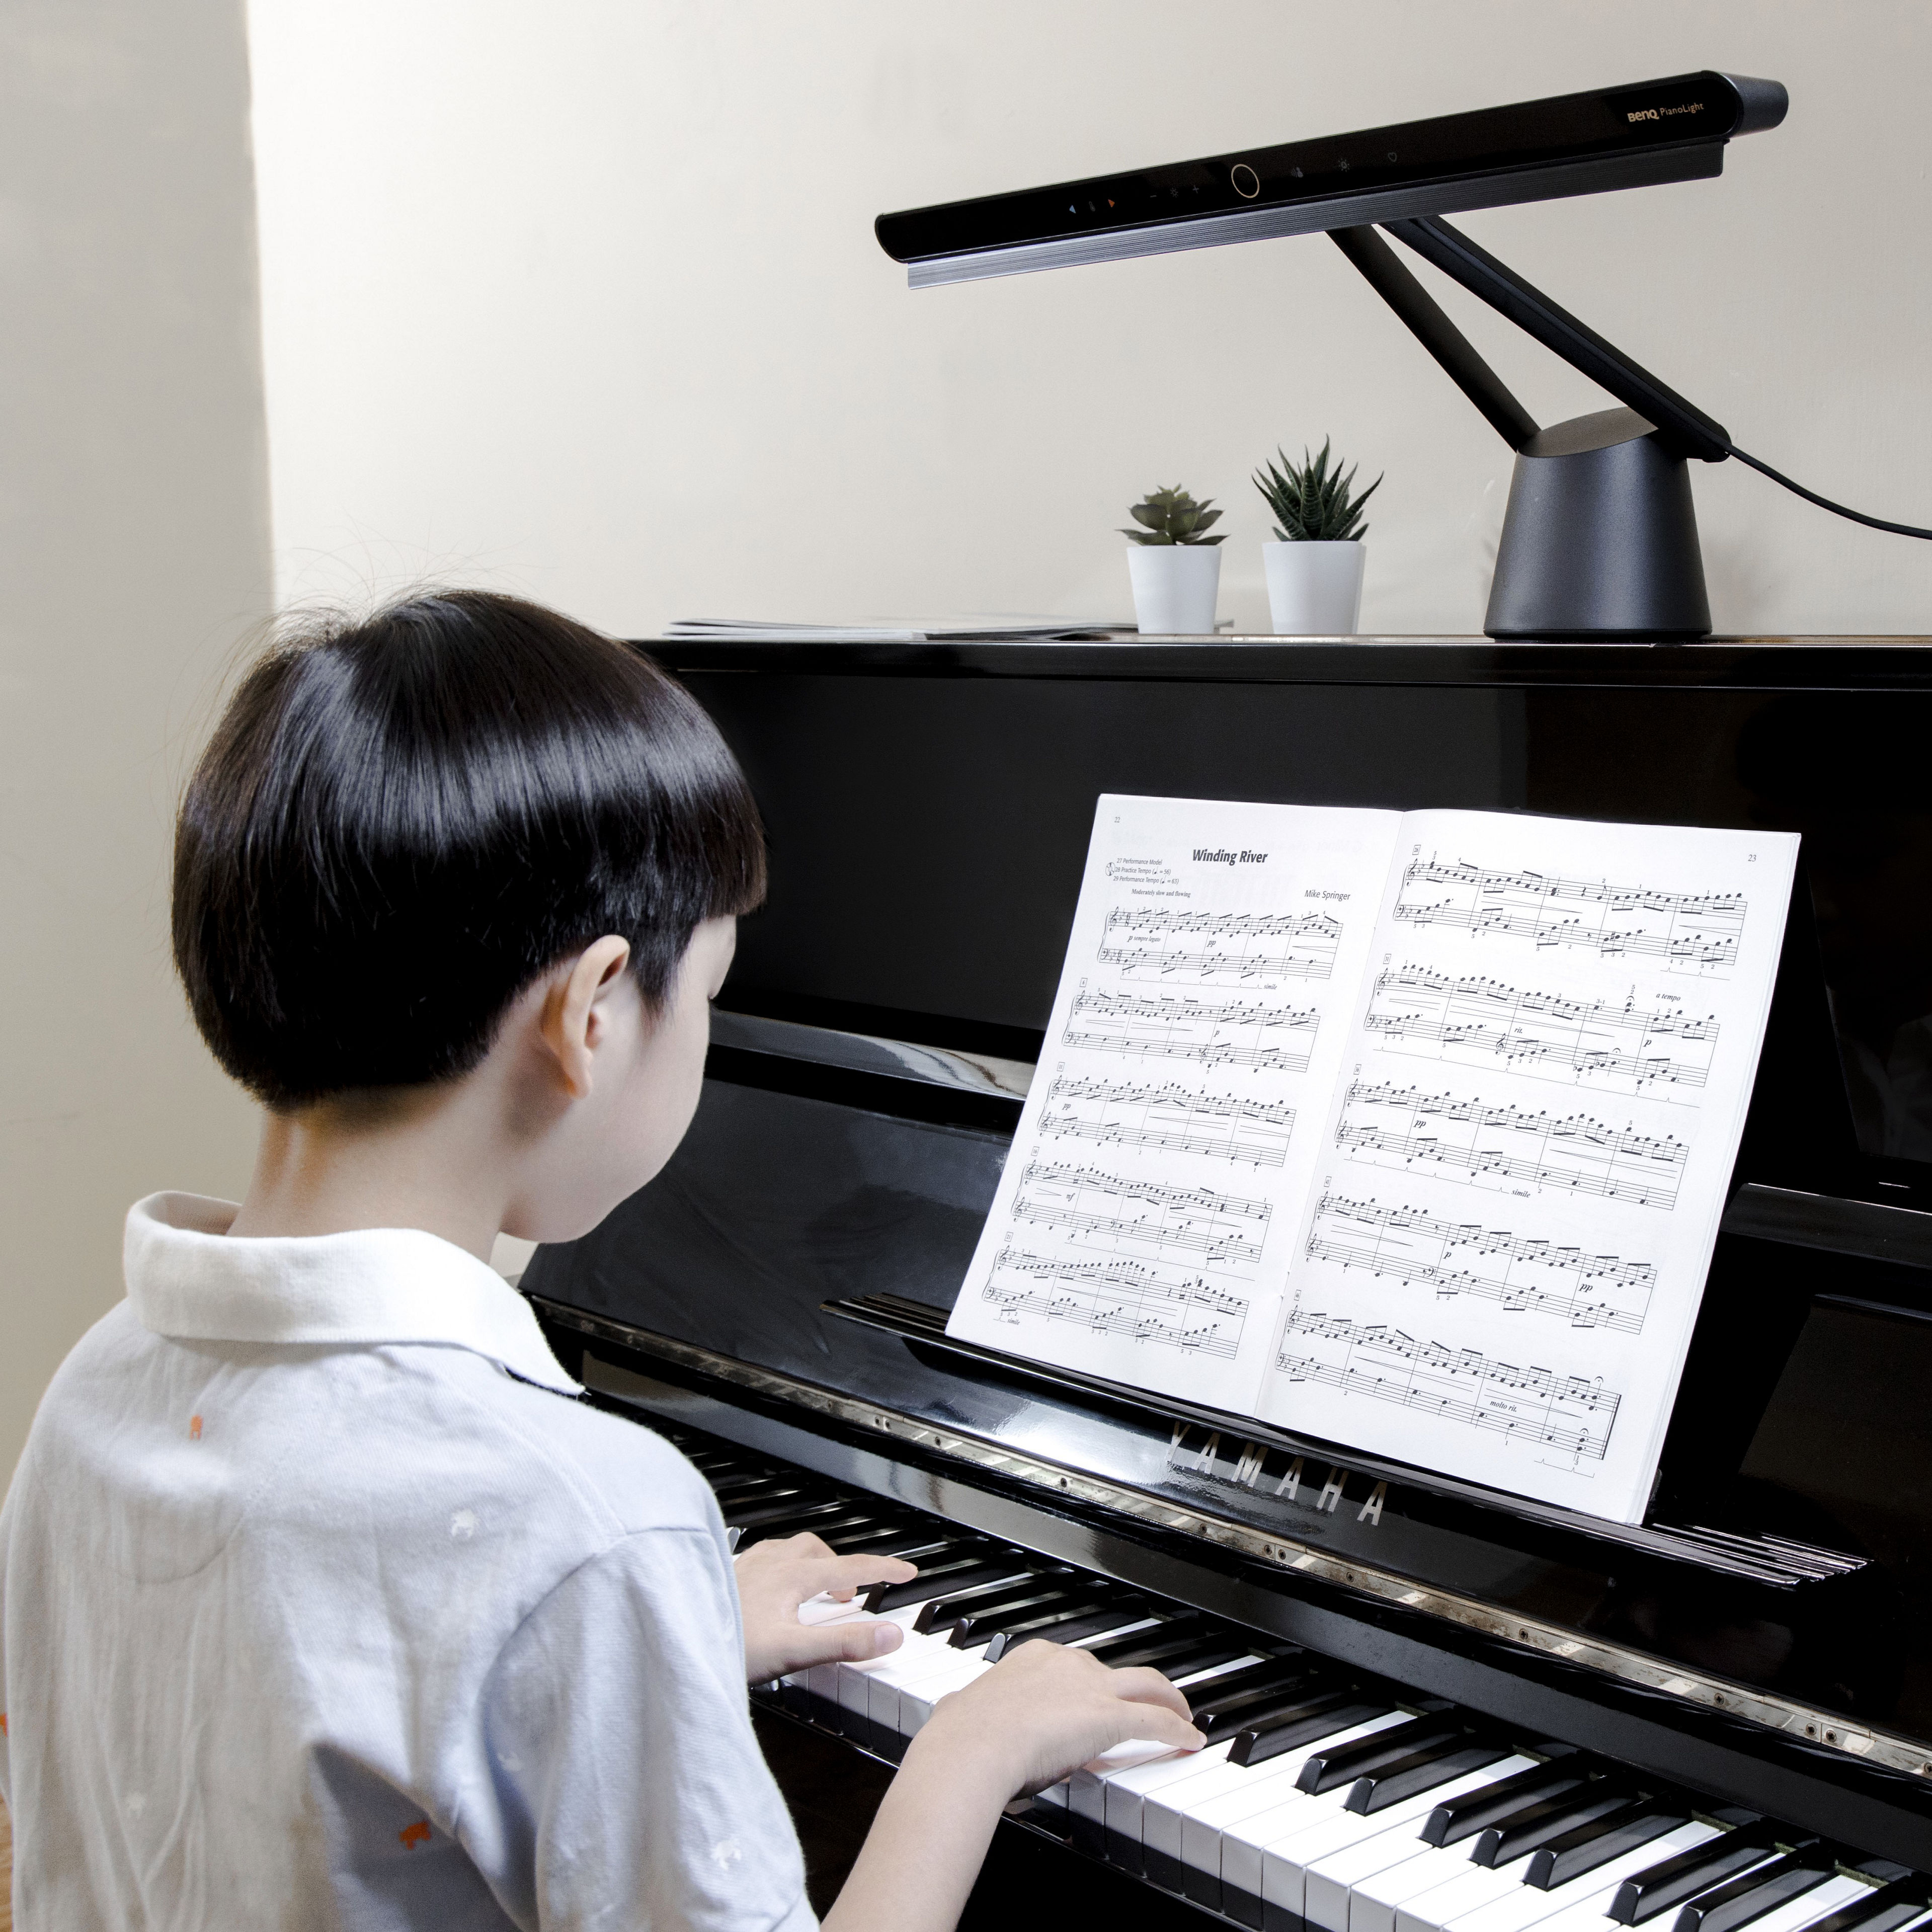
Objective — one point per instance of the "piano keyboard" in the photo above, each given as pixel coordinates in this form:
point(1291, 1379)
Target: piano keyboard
point(1324, 1797)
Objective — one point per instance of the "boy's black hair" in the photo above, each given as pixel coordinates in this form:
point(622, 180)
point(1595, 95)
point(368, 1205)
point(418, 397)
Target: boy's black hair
point(399, 823)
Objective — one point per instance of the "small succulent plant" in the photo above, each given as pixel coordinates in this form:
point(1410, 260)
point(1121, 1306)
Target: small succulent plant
point(1312, 503)
point(1173, 517)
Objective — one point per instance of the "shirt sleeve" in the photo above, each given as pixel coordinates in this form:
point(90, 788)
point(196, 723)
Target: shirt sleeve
point(622, 1785)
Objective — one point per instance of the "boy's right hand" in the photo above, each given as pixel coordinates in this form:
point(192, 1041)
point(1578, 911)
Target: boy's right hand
point(1043, 1710)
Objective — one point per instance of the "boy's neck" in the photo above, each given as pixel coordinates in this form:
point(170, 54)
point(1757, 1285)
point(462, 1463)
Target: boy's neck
point(416, 1159)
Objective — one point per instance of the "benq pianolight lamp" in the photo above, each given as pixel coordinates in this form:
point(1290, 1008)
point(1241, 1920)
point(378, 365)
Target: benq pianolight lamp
point(1599, 538)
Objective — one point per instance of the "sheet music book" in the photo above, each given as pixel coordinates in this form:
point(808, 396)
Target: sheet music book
point(1407, 1130)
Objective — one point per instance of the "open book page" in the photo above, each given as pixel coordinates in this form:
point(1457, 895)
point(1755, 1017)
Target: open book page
point(1144, 1220)
point(1529, 1148)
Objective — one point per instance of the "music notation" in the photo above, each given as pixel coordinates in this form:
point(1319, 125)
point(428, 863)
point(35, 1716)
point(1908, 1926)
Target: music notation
point(1522, 1273)
point(1571, 1414)
point(1486, 1142)
point(1120, 1296)
point(1169, 1119)
point(1248, 1034)
point(1481, 1022)
point(1222, 1229)
point(1697, 931)
point(1167, 944)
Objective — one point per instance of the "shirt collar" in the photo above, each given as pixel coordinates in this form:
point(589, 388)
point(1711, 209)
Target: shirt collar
point(189, 1278)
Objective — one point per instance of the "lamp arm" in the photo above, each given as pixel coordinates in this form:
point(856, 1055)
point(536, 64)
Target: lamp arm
point(1437, 333)
point(1684, 426)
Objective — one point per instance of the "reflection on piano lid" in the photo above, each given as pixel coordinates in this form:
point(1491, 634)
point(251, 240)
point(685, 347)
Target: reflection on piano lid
point(1763, 1641)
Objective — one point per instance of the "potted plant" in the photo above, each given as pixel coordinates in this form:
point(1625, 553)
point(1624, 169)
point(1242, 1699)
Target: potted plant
point(1315, 565)
point(1174, 565)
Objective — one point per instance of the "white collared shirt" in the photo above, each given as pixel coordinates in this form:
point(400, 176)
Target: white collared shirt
point(324, 1604)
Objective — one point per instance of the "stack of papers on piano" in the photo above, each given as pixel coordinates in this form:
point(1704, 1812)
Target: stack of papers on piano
point(1408, 1131)
point(997, 628)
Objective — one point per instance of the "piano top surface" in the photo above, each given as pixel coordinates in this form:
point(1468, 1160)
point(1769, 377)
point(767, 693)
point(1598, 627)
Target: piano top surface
point(1740, 662)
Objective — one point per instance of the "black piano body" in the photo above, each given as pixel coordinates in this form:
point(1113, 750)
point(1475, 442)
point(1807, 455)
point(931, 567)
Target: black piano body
point(1763, 1639)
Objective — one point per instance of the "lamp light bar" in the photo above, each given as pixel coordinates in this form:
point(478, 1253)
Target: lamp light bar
point(1636, 136)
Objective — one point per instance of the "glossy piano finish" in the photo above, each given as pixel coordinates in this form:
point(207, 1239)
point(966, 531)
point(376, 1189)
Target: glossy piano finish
point(929, 808)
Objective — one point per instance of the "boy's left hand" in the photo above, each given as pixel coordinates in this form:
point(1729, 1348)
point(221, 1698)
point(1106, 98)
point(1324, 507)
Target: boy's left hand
point(778, 1575)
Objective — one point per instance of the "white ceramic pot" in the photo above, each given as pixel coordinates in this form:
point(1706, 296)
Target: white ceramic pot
point(1315, 590)
point(1175, 586)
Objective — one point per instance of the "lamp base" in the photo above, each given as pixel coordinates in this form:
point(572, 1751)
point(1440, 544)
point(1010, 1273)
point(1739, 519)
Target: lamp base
point(1600, 540)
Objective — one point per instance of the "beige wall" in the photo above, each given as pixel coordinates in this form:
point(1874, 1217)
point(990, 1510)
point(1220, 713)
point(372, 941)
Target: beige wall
point(133, 551)
point(584, 299)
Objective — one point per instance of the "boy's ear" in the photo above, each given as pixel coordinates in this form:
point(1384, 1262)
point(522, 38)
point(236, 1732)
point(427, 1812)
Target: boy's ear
point(575, 1020)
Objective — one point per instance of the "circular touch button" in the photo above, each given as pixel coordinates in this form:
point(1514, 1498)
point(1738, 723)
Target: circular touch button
point(1244, 180)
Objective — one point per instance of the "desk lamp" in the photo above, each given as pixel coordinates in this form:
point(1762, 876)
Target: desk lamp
point(1600, 538)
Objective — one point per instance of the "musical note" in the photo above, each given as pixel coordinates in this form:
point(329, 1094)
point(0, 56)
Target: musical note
point(1571, 1414)
point(1120, 1296)
point(1240, 945)
point(1169, 1119)
point(1402, 1126)
point(1483, 1021)
point(1698, 931)
point(1536, 1276)
point(1268, 1039)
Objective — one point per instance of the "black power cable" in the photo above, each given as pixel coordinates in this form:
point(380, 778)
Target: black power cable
point(1825, 503)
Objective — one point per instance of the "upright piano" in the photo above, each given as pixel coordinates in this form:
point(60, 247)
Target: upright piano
point(1431, 1704)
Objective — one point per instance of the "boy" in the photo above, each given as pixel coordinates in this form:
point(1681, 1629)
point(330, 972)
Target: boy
point(323, 1603)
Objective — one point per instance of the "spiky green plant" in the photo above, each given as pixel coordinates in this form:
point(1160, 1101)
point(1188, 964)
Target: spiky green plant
point(1312, 503)
point(1173, 517)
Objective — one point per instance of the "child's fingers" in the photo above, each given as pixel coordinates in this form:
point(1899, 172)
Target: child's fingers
point(1143, 1686)
point(843, 1577)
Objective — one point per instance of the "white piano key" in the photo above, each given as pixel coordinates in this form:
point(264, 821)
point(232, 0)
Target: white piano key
point(1327, 1827)
point(1374, 1902)
point(1471, 1886)
point(921, 1657)
point(1086, 1787)
point(1329, 1883)
point(1585, 1900)
point(1126, 1791)
point(916, 1701)
point(1820, 1902)
point(1242, 1790)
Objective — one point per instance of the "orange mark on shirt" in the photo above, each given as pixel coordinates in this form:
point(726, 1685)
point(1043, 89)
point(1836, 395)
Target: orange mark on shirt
point(416, 1834)
point(3, 1724)
point(194, 1429)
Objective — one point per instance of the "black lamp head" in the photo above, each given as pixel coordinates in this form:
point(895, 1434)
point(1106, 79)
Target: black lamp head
point(1600, 539)
point(1635, 136)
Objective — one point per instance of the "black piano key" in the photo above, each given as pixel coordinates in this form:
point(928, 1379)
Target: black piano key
point(923, 1543)
point(1320, 1717)
point(981, 1626)
point(1884, 1909)
point(936, 1579)
point(825, 1528)
point(1272, 1673)
point(1175, 1627)
point(1584, 1847)
point(1646, 1893)
point(1459, 1818)
point(1324, 1770)
point(792, 1515)
point(730, 1479)
point(1200, 1649)
point(1065, 1626)
point(1536, 1823)
point(1422, 1771)
point(942, 1613)
point(1255, 1710)
point(1752, 1894)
